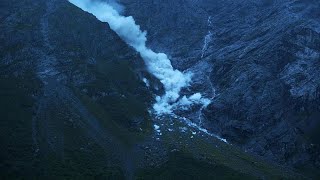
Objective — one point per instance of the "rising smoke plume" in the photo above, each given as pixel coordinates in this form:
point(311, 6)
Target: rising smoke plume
point(157, 63)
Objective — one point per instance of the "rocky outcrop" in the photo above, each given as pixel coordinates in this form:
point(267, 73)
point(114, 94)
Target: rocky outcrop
point(262, 62)
point(268, 92)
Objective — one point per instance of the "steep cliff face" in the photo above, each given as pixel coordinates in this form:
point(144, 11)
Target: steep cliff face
point(261, 61)
point(268, 83)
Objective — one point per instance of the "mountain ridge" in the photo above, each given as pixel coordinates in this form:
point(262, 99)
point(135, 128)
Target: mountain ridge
point(75, 105)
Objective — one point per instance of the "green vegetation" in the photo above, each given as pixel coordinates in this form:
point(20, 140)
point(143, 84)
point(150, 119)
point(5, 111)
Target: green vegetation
point(114, 125)
point(183, 166)
point(80, 156)
point(218, 152)
point(121, 103)
point(16, 123)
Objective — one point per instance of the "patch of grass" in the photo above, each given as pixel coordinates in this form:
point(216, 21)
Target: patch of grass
point(16, 102)
point(223, 154)
point(118, 99)
point(107, 119)
point(183, 166)
point(82, 158)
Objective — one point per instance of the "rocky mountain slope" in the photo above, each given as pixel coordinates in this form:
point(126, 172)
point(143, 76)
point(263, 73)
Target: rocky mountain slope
point(65, 79)
point(74, 103)
point(261, 60)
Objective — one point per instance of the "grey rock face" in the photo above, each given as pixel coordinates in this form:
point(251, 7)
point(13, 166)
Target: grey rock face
point(264, 66)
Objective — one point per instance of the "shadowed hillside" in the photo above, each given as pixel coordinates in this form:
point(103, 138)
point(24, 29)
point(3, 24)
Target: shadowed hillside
point(74, 104)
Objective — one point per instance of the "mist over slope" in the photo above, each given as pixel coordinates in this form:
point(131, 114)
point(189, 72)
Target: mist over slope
point(158, 63)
